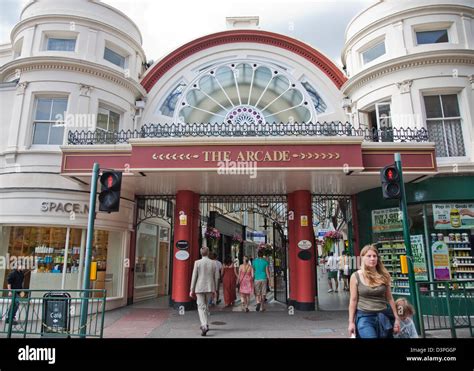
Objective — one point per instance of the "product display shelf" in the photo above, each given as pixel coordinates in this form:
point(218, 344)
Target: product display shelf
point(390, 251)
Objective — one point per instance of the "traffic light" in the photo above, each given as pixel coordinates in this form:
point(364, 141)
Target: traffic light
point(390, 177)
point(109, 197)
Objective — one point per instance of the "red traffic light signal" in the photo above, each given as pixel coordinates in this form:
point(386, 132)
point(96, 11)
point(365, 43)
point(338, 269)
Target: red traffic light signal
point(109, 197)
point(391, 188)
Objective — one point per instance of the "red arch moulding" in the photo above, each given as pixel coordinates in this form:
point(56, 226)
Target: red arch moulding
point(244, 36)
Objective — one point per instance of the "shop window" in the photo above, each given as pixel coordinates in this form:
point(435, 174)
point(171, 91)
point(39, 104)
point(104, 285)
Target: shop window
point(146, 255)
point(48, 125)
point(152, 257)
point(450, 229)
point(373, 52)
point(57, 261)
point(107, 252)
point(443, 121)
point(50, 261)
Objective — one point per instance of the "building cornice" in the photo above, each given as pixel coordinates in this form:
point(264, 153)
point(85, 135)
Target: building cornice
point(31, 64)
point(452, 56)
point(396, 17)
point(32, 21)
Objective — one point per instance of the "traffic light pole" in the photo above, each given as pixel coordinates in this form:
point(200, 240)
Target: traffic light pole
point(406, 237)
point(88, 255)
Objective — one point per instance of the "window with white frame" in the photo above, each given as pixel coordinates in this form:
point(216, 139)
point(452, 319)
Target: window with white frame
point(108, 121)
point(373, 52)
point(443, 121)
point(432, 37)
point(114, 57)
point(48, 125)
point(61, 44)
point(379, 121)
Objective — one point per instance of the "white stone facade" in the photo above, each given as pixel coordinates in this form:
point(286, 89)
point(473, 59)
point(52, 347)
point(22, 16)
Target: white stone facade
point(409, 71)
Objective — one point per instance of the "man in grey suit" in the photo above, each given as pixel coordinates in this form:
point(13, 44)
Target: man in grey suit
point(204, 284)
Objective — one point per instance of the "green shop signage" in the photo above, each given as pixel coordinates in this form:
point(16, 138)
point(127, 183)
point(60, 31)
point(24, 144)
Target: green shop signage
point(453, 216)
point(419, 260)
point(386, 220)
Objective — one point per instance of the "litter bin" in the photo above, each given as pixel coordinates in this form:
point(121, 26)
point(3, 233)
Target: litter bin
point(56, 309)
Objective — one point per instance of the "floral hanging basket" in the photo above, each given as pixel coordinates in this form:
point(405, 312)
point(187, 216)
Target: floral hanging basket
point(213, 235)
point(330, 238)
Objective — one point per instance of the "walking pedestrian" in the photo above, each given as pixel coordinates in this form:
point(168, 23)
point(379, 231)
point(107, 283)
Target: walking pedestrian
point(372, 312)
point(203, 285)
point(262, 277)
point(14, 282)
point(229, 281)
point(213, 257)
point(332, 268)
point(344, 270)
point(245, 283)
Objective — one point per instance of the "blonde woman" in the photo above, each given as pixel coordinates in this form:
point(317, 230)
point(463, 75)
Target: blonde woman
point(372, 312)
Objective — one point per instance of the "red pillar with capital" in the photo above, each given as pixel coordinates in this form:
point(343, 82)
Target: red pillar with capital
point(302, 250)
point(186, 228)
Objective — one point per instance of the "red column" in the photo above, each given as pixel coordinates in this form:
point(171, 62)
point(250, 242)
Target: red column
point(291, 249)
point(186, 222)
point(302, 261)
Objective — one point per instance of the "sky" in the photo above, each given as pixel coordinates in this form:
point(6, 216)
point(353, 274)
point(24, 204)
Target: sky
point(167, 25)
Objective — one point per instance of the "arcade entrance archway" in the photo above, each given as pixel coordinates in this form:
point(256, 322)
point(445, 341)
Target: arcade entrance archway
point(284, 226)
point(247, 223)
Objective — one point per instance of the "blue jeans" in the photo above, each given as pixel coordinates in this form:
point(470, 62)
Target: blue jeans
point(368, 325)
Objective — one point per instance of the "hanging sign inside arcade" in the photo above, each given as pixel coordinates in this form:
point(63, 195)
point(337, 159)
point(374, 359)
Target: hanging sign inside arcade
point(266, 156)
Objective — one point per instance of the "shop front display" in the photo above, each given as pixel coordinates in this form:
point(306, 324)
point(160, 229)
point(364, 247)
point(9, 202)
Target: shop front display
point(57, 254)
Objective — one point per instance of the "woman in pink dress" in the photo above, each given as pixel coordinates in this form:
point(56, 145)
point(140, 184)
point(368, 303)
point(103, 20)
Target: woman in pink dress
point(246, 283)
point(229, 279)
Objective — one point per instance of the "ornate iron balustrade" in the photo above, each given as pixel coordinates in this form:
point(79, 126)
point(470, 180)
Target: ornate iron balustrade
point(332, 129)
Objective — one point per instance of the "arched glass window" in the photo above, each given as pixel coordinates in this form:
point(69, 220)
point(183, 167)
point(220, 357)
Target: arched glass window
point(243, 92)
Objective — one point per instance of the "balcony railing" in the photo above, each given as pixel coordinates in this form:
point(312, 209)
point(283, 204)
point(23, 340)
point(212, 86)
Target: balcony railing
point(331, 129)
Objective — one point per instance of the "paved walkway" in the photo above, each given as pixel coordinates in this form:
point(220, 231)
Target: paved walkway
point(154, 319)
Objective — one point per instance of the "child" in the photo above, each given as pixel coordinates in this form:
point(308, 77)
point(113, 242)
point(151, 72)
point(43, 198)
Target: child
point(405, 312)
